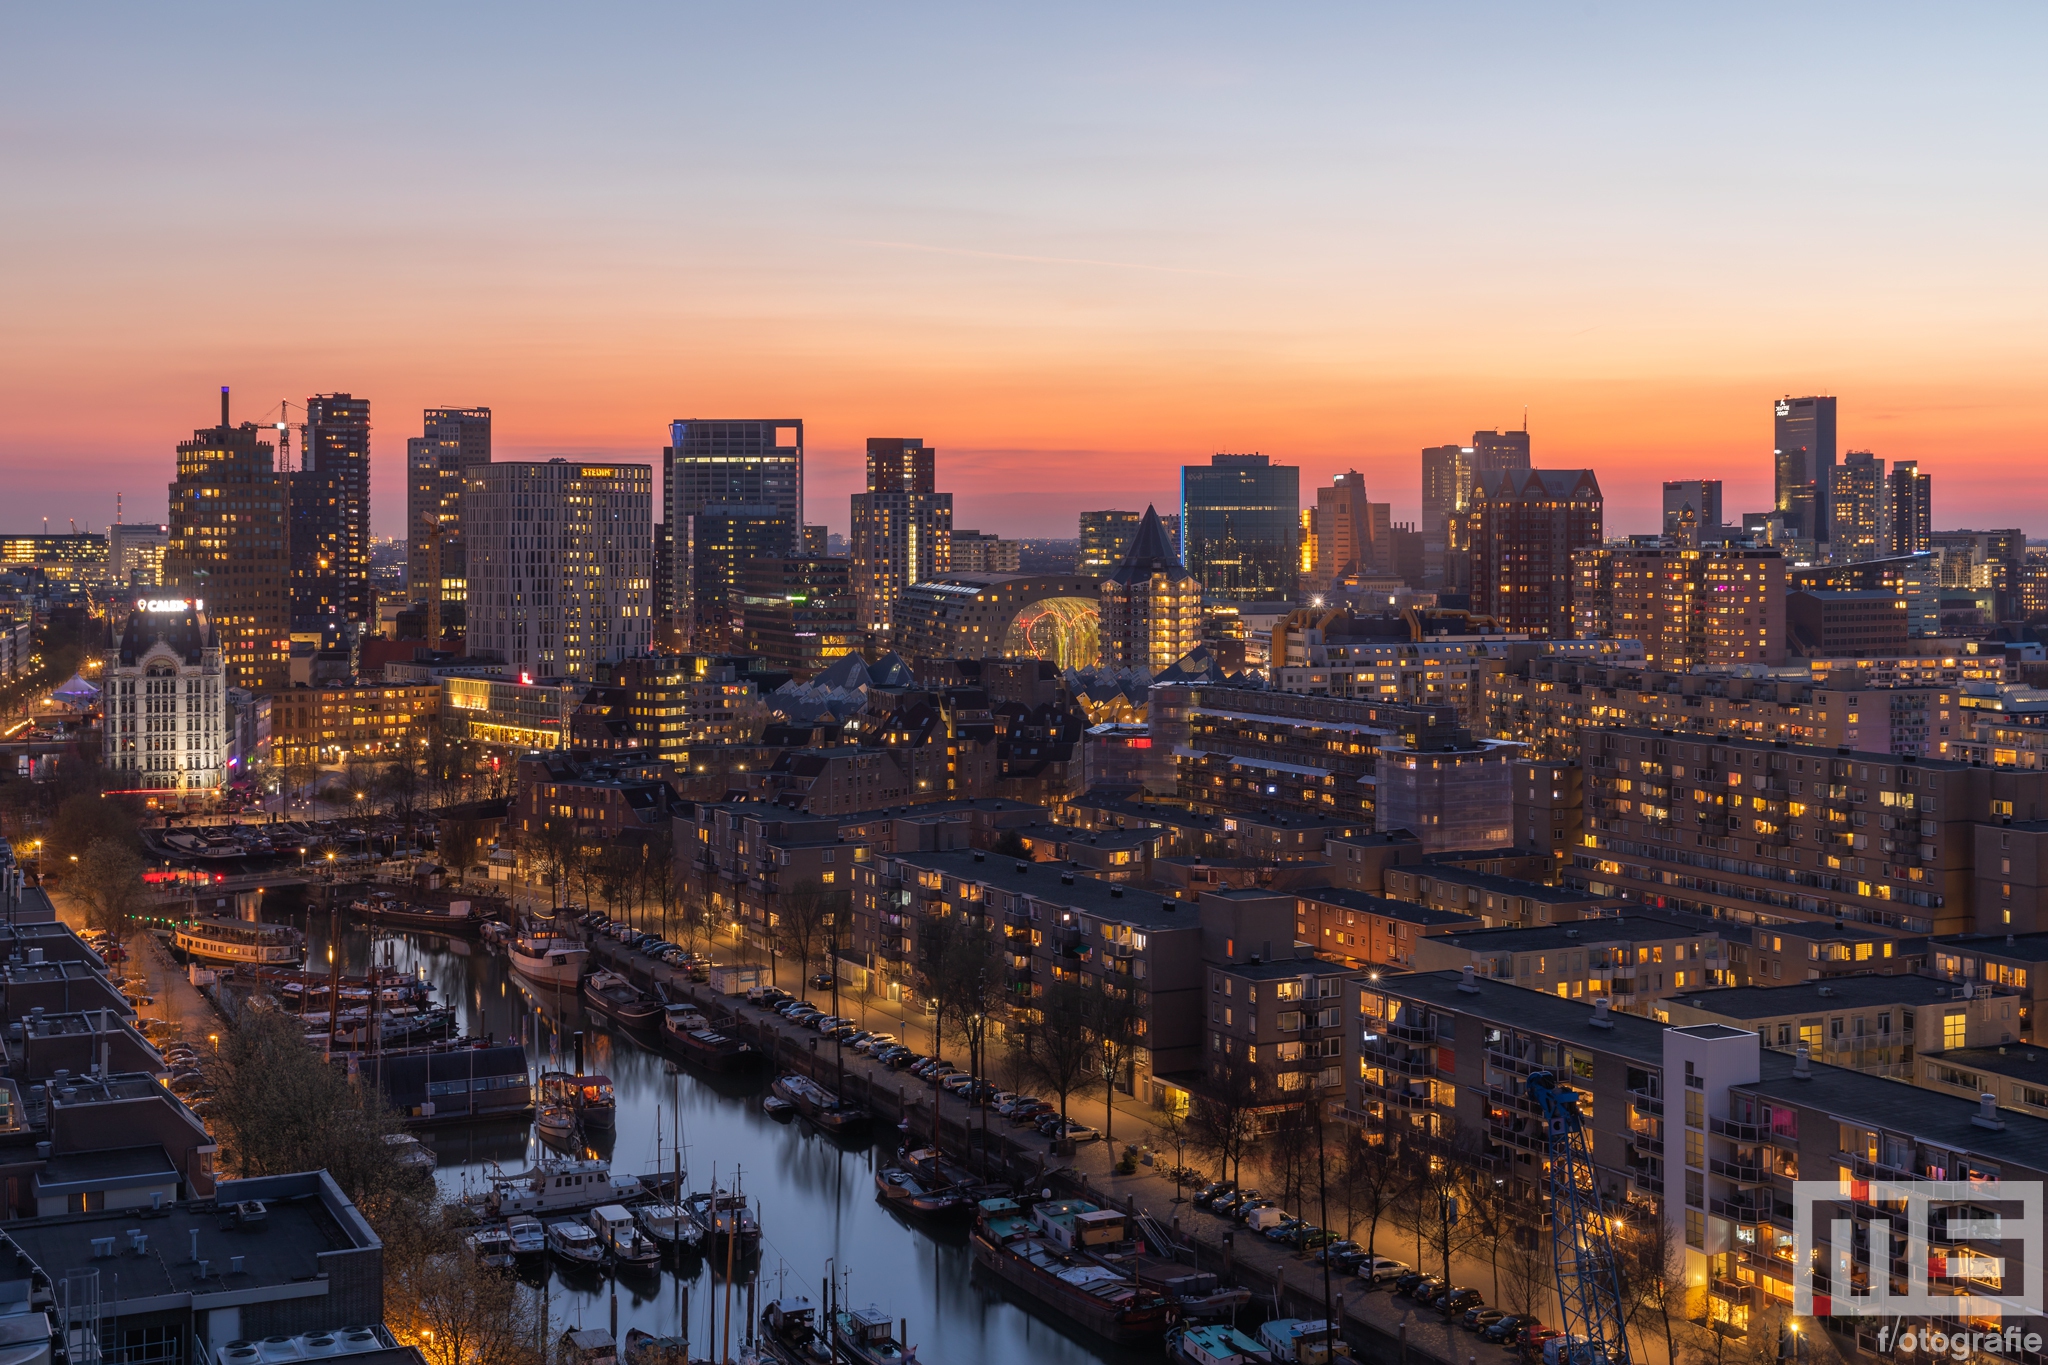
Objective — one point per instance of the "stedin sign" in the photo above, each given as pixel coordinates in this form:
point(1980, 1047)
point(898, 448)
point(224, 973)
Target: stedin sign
point(1973, 1248)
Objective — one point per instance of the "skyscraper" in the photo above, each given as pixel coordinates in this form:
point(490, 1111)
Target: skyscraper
point(1446, 477)
point(752, 462)
point(1525, 525)
point(1494, 451)
point(1241, 527)
point(1803, 453)
point(800, 611)
point(330, 514)
point(902, 526)
point(227, 548)
point(561, 560)
point(1104, 537)
point(437, 463)
point(723, 539)
point(1859, 509)
point(1912, 508)
point(1353, 535)
point(1151, 604)
point(1702, 496)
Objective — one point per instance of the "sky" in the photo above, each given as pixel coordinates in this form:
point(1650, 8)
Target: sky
point(1072, 247)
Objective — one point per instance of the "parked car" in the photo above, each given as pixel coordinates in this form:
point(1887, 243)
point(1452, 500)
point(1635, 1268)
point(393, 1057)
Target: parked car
point(1207, 1196)
point(1308, 1237)
point(1229, 1204)
point(1482, 1316)
point(959, 1083)
point(1339, 1253)
point(1029, 1113)
point(1457, 1301)
point(1075, 1132)
point(875, 1042)
point(821, 981)
point(905, 1059)
point(1010, 1103)
point(1509, 1328)
point(1277, 1229)
point(1380, 1269)
point(1421, 1288)
point(1244, 1211)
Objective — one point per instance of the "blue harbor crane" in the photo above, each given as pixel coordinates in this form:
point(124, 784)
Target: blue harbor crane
point(1588, 1275)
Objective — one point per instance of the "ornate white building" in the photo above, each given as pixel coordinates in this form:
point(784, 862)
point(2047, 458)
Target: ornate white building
point(165, 698)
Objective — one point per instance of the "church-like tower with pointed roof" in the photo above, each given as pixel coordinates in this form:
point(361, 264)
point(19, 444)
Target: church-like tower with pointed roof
point(1151, 604)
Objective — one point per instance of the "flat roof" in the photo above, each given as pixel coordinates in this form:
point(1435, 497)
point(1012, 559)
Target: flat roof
point(1047, 882)
point(1408, 912)
point(1584, 933)
point(2025, 947)
point(1714, 1031)
point(1805, 750)
point(1283, 968)
point(1818, 997)
point(1899, 1106)
point(1502, 1002)
point(2016, 1060)
point(1506, 886)
point(302, 1222)
point(84, 1170)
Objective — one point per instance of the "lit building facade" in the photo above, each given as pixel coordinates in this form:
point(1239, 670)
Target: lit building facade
point(561, 564)
point(1104, 538)
point(756, 463)
point(227, 548)
point(437, 463)
point(164, 693)
point(1524, 526)
point(799, 611)
point(330, 514)
point(1241, 527)
point(902, 526)
point(1151, 605)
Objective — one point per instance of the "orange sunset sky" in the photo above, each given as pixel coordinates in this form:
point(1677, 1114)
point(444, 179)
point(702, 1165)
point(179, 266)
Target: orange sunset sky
point(1072, 248)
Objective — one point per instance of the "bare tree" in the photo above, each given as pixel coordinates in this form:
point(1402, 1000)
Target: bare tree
point(553, 848)
point(1222, 1120)
point(1119, 1028)
point(108, 880)
point(1373, 1180)
point(1653, 1289)
point(401, 791)
point(800, 926)
point(1060, 1048)
point(461, 847)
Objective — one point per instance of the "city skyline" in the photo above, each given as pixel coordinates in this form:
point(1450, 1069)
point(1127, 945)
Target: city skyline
point(1129, 253)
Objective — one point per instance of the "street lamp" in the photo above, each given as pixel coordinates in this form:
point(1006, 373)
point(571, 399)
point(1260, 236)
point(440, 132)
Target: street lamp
point(214, 1038)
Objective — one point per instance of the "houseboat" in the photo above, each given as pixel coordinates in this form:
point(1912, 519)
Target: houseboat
point(1069, 1255)
point(821, 1106)
point(548, 959)
point(789, 1332)
point(904, 1192)
point(619, 1000)
point(574, 1242)
point(867, 1336)
point(691, 1038)
point(559, 1185)
point(529, 1239)
point(1217, 1344)
point(620, 1237)
point(238, 942)
point(456, 1083)
point(491, 1247)
point(454, 917)
point(669, 1224)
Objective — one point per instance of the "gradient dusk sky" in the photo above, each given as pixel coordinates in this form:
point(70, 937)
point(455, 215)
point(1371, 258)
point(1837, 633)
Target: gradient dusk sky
point(1073, 247)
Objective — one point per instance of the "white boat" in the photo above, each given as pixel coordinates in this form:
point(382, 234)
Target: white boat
point(242, 942)
point(670, 1225)
point(549, 959)
point(408, 1150)
point(492, 1247)
point(575, 1243)
point(560, 1185)
point(622, 1241)
point(528, 1237)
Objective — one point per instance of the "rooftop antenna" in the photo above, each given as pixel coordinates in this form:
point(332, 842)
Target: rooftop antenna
point(1525, 419)
point(223, 405)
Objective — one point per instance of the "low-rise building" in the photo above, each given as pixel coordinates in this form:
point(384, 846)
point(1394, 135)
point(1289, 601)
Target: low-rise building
point(1448, 884)
point(1278, 1028)
point(1877, 1024)
point(163, 693)
point(1366, 931)
point(327, 724)
point(1637, 961)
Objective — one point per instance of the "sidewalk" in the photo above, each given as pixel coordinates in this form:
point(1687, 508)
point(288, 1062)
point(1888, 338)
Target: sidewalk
point(178, 1001)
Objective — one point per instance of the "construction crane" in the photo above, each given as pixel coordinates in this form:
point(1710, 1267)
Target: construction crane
point(284, 426)
point(1588, 1276)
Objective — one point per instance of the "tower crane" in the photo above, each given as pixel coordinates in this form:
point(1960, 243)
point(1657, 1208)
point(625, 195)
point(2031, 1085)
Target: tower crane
point(1588, 1275)
point(284, 427)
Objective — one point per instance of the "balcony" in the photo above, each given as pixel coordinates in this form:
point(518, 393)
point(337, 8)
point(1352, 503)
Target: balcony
point(1739, 1172)
point(1646, 1102)
point(1406, 1032)
point(1646, 1143)
point(1422, 1064)
point(1745, 1209)
point(1734, 1291)
point(1741, 1132)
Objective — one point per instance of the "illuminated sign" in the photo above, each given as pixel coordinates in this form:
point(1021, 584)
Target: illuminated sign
point(1784, 409)
point(596, 472)
point(168, 604)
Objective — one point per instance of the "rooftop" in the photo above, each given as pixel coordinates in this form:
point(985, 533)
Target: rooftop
point(1901, 1107)
point(2028, 947)
point(91, 1170)
point(2016, 1060)
point(1408, 912)
point(1772, 746)
point(1284, 969)
point(1514, 1006)
point(305, 1217)
point(1583, 933)
point(1048, 882)
point(1834, 993)
point(1507, 886)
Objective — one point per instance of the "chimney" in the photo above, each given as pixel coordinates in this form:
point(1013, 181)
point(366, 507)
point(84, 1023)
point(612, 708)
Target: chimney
point(1465, 981)
point(1987, 1113)
point(223, 405)
point(195, 1244)
point(1801, 1064)
point(1603, 1013)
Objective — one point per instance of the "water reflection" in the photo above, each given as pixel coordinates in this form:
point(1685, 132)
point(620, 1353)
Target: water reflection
point(816, 1199)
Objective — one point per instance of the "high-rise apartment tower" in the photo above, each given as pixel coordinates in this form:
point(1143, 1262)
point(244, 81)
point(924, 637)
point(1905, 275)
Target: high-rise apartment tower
point(227, 548)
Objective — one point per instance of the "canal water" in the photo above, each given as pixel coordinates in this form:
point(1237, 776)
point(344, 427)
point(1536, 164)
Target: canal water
point(816, 1198)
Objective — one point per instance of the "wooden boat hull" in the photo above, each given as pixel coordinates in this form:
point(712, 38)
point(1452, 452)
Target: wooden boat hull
point(1075, 1305)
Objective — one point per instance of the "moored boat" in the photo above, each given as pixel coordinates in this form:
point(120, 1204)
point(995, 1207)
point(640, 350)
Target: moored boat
point(1217, 1344)
point(385, 907)
point(669, 1224)
point(645, 1348)
point(820, 1105)
point(589, 1097)
point(574, 1242)
point(867, 1336)
point(620, 1238)
point(723, 1214)
point(902, 1190)
point(558, 1185)
point(250, 943)
point(1053, 1254)
point(789, 1331)
point(1301, 1341)
point(620, 1000)
point(491, 1247)
point(548, 959)
point(529, 1239)
point(690, 1038)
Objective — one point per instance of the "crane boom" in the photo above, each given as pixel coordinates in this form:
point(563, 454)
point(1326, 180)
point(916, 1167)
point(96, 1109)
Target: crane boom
point(1588, 1275)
